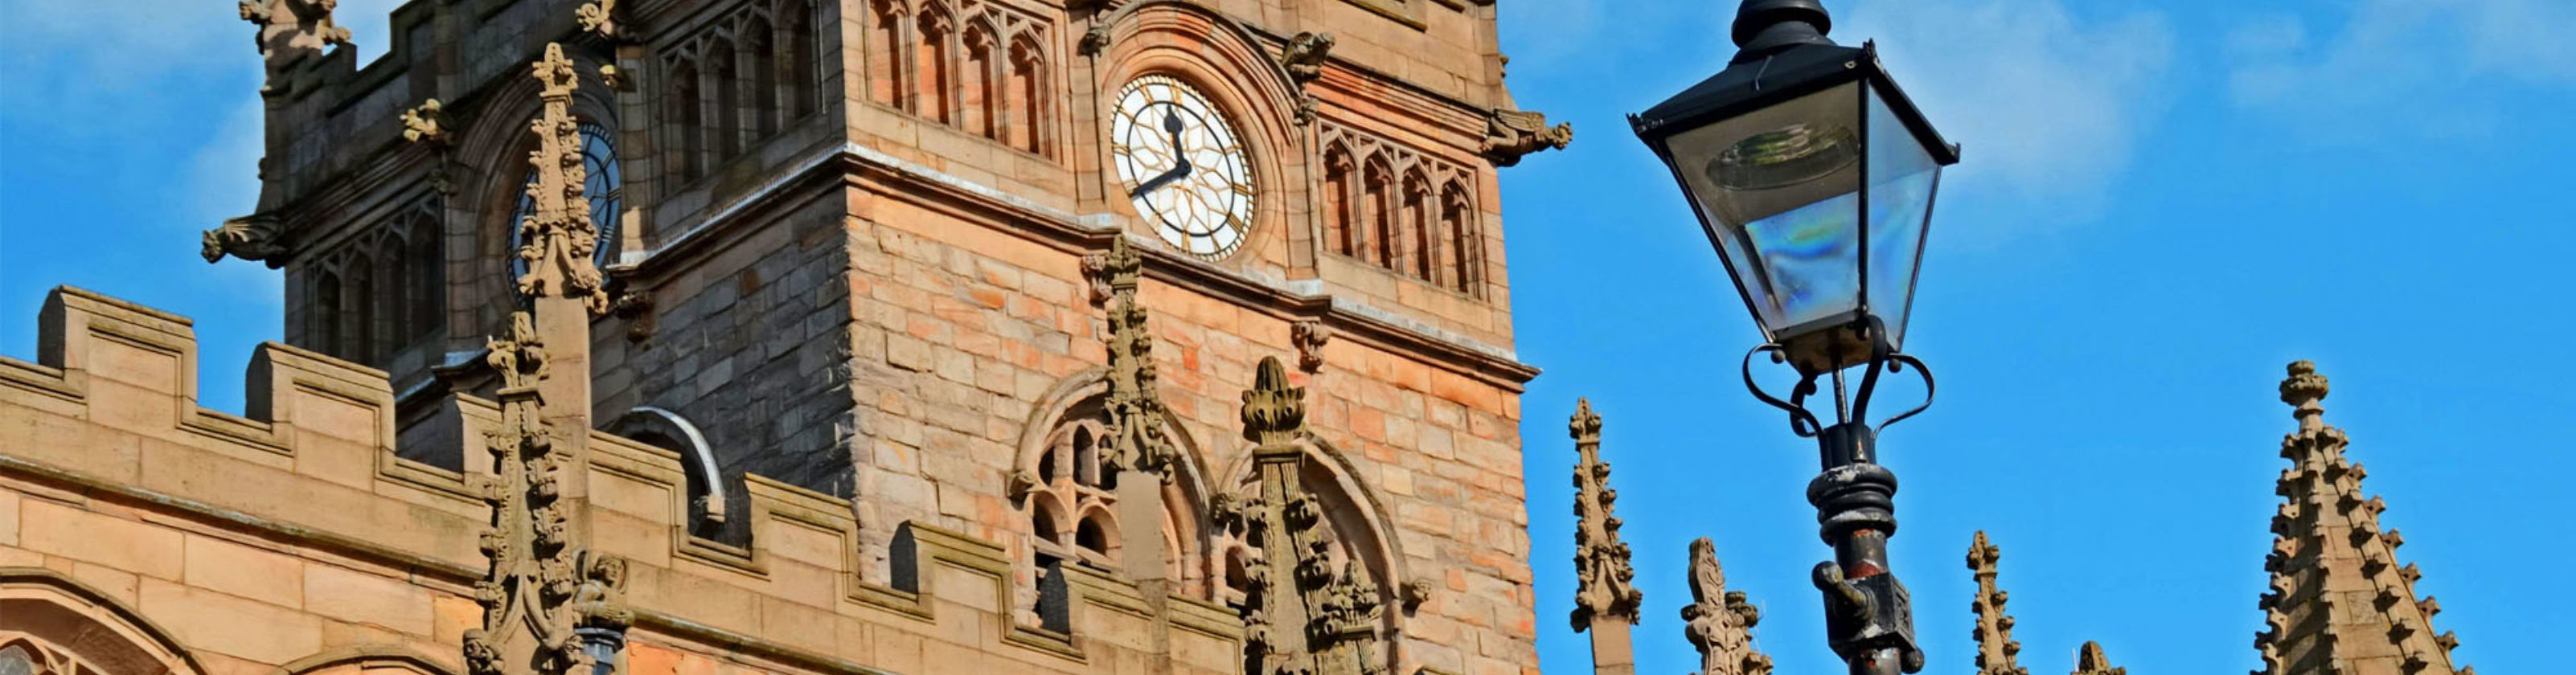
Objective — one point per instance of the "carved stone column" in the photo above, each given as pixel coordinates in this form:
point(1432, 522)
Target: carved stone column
point(1605, 602)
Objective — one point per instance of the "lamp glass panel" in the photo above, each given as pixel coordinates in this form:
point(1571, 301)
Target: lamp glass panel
point(1902, 177)
point(1778, 189)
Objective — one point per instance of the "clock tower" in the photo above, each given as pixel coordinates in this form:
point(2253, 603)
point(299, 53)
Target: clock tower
point(933, 259)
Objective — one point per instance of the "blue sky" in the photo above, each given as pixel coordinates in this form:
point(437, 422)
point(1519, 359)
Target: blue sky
point(2161, 204)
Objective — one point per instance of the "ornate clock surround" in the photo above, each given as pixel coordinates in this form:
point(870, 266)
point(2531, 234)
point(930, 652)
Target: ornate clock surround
point(1228, 65)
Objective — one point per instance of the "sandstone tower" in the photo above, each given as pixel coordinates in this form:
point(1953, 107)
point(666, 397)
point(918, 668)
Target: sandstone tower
point(923, 341)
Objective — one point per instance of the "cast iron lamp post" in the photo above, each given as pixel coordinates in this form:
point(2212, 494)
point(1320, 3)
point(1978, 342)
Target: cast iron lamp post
point(1814, 176)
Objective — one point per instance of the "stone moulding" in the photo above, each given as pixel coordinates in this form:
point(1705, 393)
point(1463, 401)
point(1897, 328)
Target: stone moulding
point(677, 584)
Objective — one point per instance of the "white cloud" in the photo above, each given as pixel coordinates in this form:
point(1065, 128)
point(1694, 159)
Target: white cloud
point(2047, 104)
point(2423, 67)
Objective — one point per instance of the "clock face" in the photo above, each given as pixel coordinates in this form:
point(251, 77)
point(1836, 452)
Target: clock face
point(1183, 166)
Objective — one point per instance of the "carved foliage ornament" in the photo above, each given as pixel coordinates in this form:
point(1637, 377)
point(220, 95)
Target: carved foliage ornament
point(1719, 622)
point(558, 237)
point(1134, 438)
point(1603, 588)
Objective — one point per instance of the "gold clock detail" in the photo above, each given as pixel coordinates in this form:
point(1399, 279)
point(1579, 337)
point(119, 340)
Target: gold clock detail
point(1183, 166)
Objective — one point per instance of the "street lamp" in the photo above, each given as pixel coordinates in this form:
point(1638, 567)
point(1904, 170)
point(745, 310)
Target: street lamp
point(1813, 176)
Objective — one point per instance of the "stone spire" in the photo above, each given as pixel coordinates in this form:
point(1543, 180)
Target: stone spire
point(558, 239)
point(2090, 661)
point(1301, 616)
point(1135, 434)
point(1719, 622)
point(550, 606)
point(2339, 602)
point(1996, 649)
point(1605, 602)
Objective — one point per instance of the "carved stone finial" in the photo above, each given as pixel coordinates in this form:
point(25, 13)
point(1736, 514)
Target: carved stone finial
point(1604, 588)
point(1997, 652)
point(1310, 335)
point(2305, 390)
point(598, 16)
point(1134, 437)
point(426, 123)
point(559, 238)
point(1719, 622)
point(1274, 413)
point(2090, 661)
point(1303, 614)
point(1509, 134)
point(540, 587)
point(253, 237)
point(290, 32)
point(1119, 267)
point(1305, 54)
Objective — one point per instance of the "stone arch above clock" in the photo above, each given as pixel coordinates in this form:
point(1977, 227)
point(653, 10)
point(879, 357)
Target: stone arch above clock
point(1225, 62)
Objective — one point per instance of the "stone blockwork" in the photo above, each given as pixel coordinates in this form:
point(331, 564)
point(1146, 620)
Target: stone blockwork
point(846, 273)
point(122, 510)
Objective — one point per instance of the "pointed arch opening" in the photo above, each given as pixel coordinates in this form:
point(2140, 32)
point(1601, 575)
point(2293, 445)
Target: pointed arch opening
point(761, 64)
point(681, 113)
point(933, 40)
point(1466, 244)
point(1340, 229)
point(1025, 125)
point(1377, 207)
point(1419, 239)
point(724, 82)
point(979, 82)
point(885, 41)
point(800, 58)
point(65, 627)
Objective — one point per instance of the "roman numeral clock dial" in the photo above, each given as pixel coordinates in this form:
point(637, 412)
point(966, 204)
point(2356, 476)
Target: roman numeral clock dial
point(1183, 166)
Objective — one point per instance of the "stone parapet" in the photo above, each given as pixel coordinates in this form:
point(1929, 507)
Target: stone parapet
point(293, 533)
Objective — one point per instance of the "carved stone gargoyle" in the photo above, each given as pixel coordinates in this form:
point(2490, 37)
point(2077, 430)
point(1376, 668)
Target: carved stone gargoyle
point(1509, 134)
point(1304, 56)
point(252, 237)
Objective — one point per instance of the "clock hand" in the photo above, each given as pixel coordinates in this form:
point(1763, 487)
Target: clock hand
point(1181, 159)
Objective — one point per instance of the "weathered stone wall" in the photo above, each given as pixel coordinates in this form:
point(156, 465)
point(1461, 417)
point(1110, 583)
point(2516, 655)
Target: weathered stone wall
point(292, 538)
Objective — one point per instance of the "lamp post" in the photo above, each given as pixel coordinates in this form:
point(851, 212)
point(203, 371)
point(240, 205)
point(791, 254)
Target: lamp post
point(1813, 176)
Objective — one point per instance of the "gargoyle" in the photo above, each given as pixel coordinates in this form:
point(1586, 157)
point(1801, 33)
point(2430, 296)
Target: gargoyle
point(290, 31)
point(1509, 134)
point(1305, 54)
point(251, 237)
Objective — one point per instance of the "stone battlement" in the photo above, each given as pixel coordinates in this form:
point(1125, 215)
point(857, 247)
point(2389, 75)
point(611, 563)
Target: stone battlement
point(109, 411)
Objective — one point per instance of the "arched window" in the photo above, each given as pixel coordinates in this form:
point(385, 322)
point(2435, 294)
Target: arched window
point(323, 318)
point(930, 58)
point(1376, 204)
point(427, 281)
point(884, 45)
point(982, 103)
point(1068, 495)
point(799, 56)
point(358, 273)
point(1026, 127)
point(57, 626)
point(724, 129)
point(602, 183)
point(759, 45)
point(1466, 245)
point(392, 311)
point(681, 111)
point(1419, 241)
point(1339, 234)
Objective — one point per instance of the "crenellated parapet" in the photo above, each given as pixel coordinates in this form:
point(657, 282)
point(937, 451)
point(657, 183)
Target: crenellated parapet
point(108, 410)
point(2339, 602)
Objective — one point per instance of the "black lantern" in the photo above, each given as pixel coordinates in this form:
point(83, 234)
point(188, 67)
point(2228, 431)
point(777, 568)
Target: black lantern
point(1813, 175)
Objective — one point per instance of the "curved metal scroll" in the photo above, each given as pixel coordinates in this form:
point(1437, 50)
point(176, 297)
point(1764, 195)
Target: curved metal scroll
point(1898, 362)
point(1801, 422)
